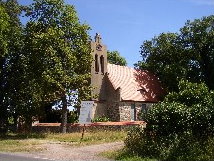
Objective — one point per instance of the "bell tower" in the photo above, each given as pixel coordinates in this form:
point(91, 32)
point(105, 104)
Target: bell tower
point(98, 67)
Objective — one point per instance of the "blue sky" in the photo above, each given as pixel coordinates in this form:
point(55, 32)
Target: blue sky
point(125, 24)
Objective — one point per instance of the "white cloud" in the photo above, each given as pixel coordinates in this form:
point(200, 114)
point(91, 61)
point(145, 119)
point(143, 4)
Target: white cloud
point(203, 2)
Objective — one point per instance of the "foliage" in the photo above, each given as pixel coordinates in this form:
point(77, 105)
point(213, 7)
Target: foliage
point(184, 55)
point(10, 44)
point(124, 155)
point(115, 58)
point(179, 127)
point(192, 108)
point(42, 62)
point(56, 54)
point(54, 115)
point(101, 119)
point(4, 19)
point(181, 148)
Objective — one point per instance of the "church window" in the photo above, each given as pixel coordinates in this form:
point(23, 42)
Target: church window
point(102, 64)
point(96, 64)
point(133, 112)
point(144, 111)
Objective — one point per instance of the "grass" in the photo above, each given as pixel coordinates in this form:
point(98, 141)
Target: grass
point(32, 142)
point(124, 155)
point(89, 138)
point(20, 145)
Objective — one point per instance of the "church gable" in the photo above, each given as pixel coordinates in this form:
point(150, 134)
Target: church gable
point(122, 92)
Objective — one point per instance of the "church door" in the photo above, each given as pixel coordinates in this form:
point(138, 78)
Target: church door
point(133, 112)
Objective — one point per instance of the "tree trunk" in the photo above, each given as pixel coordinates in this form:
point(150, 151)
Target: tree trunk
point(64, 114)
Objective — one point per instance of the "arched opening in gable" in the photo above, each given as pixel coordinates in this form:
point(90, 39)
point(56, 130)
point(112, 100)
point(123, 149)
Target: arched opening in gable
point(96, 64)
point(102, 64)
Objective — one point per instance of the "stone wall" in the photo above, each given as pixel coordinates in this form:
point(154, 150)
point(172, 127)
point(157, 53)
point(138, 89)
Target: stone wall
point(125, 110)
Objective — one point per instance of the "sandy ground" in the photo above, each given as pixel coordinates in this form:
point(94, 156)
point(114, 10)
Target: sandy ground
point(64, 152)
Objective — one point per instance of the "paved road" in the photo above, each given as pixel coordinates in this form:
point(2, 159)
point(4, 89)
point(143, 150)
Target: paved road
point(14, 157)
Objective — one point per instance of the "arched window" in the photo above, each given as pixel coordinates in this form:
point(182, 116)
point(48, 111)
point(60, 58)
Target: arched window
point(96, 64)
point(102, 64)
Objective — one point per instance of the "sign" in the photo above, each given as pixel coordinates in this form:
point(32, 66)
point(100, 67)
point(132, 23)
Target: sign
point(86, 111)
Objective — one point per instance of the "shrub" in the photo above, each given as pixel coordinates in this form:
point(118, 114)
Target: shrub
point(138, 142)
point(191, 109)
point(168, 118)
point(179, 128)
point(175, 147)
point(101, 119)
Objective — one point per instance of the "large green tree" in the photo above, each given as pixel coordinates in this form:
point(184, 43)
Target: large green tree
point(198, 41)
point(10, 40)
point(56, 54)
point(114, 57)
point(4, 25)
point(188, 54)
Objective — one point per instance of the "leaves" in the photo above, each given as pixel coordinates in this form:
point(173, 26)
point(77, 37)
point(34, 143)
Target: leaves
point(190, 109)
point(184, 55)
point(43, 61)
point(115, 58)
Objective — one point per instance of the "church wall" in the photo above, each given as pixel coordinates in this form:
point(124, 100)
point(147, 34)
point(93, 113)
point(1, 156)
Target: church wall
point(113, 111)
point(113, 100)
point(98, 67)
point(125, 110)
point(100, 109)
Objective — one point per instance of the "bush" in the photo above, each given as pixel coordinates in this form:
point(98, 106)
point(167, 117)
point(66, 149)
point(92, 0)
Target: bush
point(179, 128)
point(168, 118)
point(138, 142)
point(191, 109)
point(175, 147)
point(101, 119)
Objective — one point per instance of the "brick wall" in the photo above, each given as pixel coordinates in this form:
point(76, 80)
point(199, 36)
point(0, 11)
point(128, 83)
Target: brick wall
point(55, 127)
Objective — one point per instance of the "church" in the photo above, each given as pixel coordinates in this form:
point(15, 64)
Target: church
point(121, 92)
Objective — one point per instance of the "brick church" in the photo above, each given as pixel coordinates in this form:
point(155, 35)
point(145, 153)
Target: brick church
point(122, 92)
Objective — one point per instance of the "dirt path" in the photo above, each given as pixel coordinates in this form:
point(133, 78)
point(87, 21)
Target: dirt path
point(65, 152)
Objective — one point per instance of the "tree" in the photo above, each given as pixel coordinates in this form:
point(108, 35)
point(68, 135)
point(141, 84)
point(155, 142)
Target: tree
point(115, 58)
point(10, 40)
point(185, 55)
point(165, 57)
point(56, 53)
point(198, 41)
point(4, 25)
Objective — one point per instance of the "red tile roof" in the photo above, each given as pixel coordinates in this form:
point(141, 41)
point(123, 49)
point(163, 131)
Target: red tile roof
point(135, 85)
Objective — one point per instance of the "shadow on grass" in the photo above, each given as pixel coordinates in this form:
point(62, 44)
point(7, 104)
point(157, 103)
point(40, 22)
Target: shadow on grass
point(21, 136)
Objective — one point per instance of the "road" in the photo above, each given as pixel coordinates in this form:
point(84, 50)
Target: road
point(64, 152)
point(14, 157)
